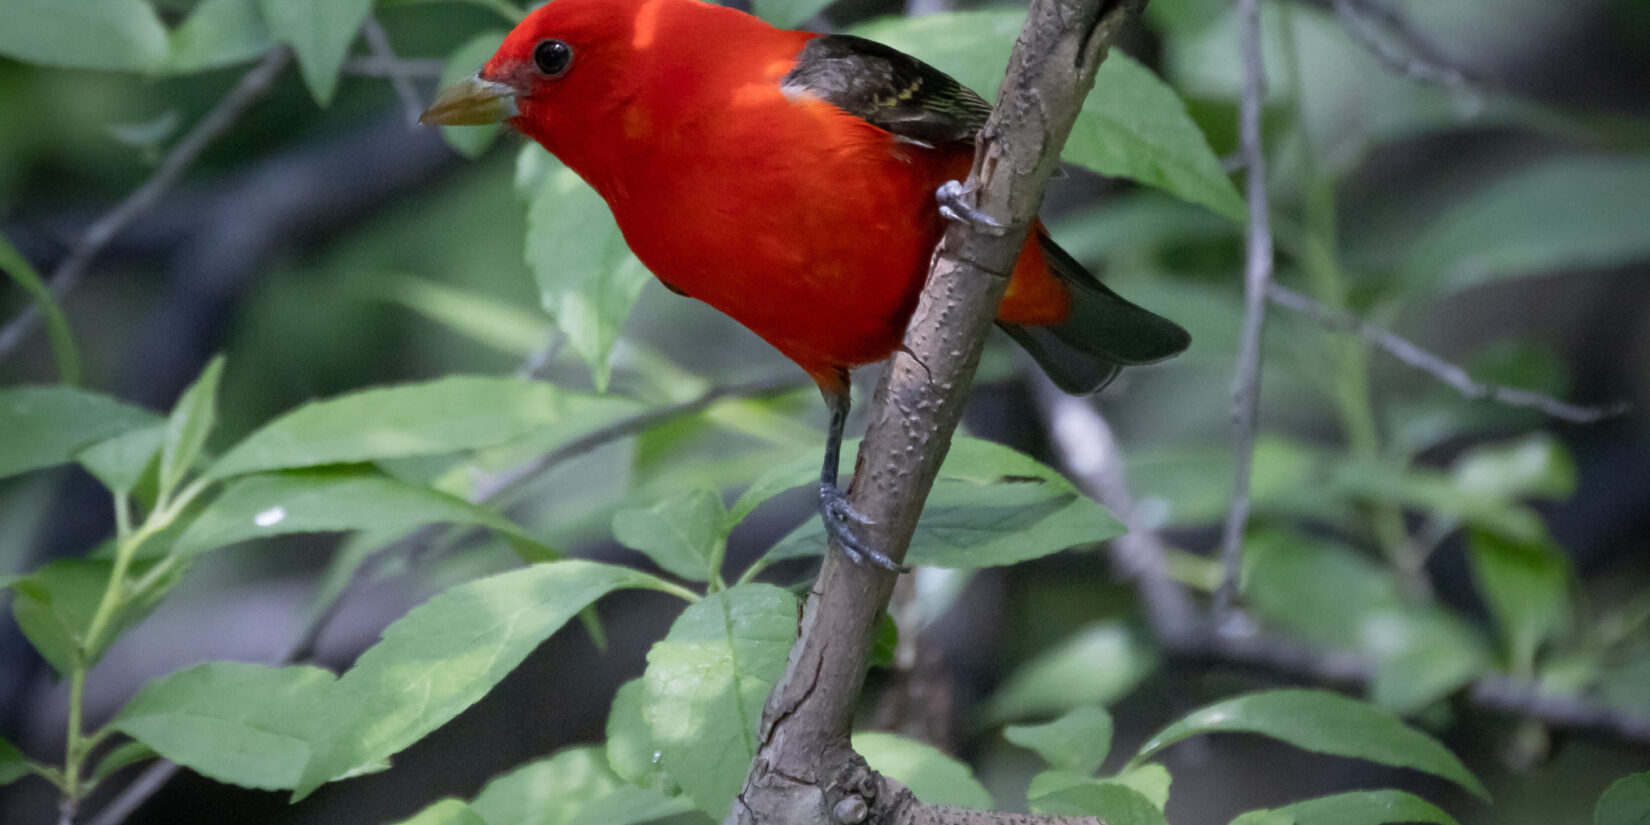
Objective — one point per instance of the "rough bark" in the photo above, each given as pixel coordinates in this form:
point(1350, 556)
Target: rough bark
point(805, 772)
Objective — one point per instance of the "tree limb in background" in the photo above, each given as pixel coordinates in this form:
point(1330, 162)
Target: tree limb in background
point(253, 86)
point(1413, 356)
point(395, 70)
point(805, 771)
point(1086, 452)
point(1390, 38)
point(1258, 261)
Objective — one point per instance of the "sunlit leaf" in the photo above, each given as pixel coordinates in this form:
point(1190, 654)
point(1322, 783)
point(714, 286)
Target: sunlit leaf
point(1078, 741)
point(1097, 666)
point(320, 33)
point(935, 778)
point(45, 426)
point(587, 277)
point(432, 418)
point(219, 33)
point(681, 534)
point(706, 683)
point(572, 787)
point(191, 422)
point(1322, 722)
point(1111, 803)
point(1365, 808)
point(116, 35)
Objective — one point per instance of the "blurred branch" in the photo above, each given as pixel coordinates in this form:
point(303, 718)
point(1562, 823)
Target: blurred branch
point(1258, 260)
point(396, 70)
point(1087, 453)
point(1450, 374)
point(1388, 36)
point(252, 87)
point(422, 68)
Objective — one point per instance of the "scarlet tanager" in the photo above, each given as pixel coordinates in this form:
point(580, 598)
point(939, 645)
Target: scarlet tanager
point(789, 180)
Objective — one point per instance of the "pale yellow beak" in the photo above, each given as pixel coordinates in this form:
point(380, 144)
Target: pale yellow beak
point(472, 102)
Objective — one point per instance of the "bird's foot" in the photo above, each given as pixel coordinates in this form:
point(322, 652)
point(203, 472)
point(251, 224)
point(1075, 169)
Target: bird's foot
point(843, 523)
point(955, 205)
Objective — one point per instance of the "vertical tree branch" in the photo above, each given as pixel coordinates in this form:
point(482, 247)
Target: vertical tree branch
point(1257, 277)
point(804, 770)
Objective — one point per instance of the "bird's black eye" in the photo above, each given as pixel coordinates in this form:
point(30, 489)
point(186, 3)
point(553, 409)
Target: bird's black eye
point(553, 57)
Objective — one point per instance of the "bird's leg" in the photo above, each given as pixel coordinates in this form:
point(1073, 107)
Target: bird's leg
point(842, 521)
point(955, 205)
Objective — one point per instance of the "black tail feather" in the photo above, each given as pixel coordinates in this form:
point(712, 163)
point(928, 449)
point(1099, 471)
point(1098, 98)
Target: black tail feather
point(1103, 333)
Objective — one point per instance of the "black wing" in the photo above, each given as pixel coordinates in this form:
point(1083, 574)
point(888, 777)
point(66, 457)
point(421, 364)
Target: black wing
point(887, 88)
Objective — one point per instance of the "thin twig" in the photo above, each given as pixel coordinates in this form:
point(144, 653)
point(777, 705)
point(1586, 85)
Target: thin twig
point(422, 68)
point(253, 86)
point(1257, 276)
point(1372, 24)
point(1413, 356)
point(378, 41)
point(506, 485)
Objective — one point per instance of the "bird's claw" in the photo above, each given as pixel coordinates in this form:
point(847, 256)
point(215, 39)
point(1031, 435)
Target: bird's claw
point(842, 523)
point(954, 200)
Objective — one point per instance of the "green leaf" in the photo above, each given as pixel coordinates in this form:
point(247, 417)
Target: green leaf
point(630, 748)
point(244, 724)
point(1625, 802)
point(1527, 588)
point(1322, 722)
point(706, 682)
point(573, 787)
point(681, 534)
point(1365, 808)
point(470, 141)
point(1151, 780)
point(1564, 213)
point(437, 417)
point(1113, 804)
point(1333, 596)
point(54, 606)
point(1535, 465)
point(1134, 126)
point(122, 755)
point(219, 33)
point(588, 279)
point(788, 14)
point(1102, 663)
point(935, 778)
point(990, 506)
point(46, 426)
point(122, 462)
point(312, 501)
point(444, 656)
point(191, 422)
point(13, 764)
point(320, 33)
point(500, 324)
point(445, 812)
point(64, 350)
point(1077, 741)
point(114, 35)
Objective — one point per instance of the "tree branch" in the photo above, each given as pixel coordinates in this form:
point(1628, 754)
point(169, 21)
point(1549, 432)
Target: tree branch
point(396, 71)
point(1414, 357)
point(805, 772)
point(1257, 277)
point(253, 86)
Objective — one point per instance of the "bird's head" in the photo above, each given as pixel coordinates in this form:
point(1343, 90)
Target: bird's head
point(563, 63)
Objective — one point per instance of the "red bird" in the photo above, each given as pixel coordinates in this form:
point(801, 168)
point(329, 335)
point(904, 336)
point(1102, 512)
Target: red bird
point(789, 180)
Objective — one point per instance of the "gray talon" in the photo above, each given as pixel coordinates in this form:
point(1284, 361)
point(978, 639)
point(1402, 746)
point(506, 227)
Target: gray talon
point(840, 519)
point(954, 203)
